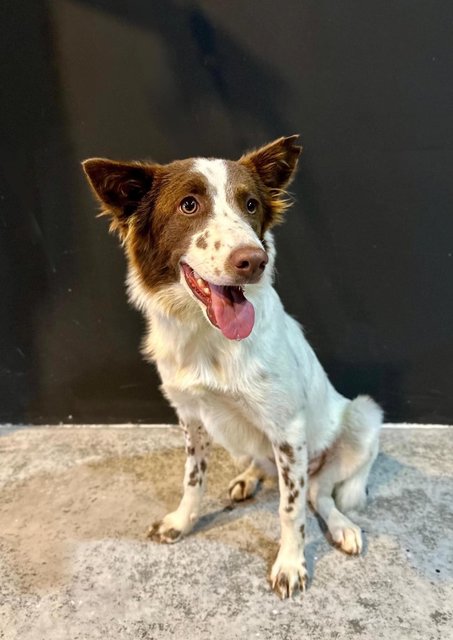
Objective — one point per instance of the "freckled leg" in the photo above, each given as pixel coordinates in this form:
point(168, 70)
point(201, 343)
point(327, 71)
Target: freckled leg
point(180, 522)
point(289, 570)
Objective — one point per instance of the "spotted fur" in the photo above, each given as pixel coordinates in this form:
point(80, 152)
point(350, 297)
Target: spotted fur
point(266, 396)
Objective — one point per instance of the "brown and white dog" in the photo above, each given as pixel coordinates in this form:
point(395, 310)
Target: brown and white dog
point(234, 365)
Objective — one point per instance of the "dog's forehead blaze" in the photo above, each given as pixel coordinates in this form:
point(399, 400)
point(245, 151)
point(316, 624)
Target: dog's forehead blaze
point(227, 179)
point(231, 183)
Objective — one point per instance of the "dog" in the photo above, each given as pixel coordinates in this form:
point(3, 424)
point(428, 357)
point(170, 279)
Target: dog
point(236, 368)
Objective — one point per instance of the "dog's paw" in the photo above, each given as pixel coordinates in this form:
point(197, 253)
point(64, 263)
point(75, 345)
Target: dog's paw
point(158, 532)
point(348, 538)
point(169, 530)
point(289, 576)
point(242, 487)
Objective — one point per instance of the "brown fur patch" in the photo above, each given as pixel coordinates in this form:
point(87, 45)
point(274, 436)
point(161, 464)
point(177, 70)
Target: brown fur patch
point(285, 475)
point(154, 231)
point(282, 585)
point(217, 245)
point(161, 234)
point(193, 476)
point(120, 187)
point(201, 243)
point(288, 451)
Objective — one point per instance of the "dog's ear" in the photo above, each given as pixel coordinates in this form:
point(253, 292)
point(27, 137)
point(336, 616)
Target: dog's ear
point(275, 163)
point(119, 186)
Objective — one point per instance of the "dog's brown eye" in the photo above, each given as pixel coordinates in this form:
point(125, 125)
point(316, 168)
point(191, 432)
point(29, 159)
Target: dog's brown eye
point(189, 205)
point(252, 205)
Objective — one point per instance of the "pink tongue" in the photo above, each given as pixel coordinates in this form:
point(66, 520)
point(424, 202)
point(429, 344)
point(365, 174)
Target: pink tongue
point(231, 312)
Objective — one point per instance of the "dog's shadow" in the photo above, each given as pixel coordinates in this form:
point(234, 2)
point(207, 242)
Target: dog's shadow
point(414, 510)
point(253, 524)
point(241, 518)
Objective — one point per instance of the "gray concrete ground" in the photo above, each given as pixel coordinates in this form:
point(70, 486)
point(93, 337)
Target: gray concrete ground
point(74, 563)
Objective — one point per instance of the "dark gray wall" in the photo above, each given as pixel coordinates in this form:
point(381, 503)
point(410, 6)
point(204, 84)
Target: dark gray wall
point(366, 255)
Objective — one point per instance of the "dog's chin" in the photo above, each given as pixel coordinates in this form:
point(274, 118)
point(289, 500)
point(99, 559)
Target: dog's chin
point(225, 306)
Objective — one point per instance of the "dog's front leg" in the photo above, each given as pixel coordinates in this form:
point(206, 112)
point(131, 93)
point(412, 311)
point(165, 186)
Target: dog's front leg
point(289, 571)
point(180, 522)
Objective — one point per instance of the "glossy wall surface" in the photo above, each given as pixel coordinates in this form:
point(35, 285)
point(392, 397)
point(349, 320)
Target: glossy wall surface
point(366, 255)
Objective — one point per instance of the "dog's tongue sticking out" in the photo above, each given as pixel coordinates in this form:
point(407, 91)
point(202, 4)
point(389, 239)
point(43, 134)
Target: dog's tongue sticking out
point(229, 310)
point(227, 307)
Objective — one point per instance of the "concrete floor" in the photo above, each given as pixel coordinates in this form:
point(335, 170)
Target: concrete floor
point(74, 564)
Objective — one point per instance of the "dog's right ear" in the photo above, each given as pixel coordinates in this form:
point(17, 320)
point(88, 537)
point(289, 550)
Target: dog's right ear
point(119, 186)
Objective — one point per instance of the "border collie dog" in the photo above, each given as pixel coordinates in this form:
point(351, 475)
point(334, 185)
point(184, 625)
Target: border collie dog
point(236, 368)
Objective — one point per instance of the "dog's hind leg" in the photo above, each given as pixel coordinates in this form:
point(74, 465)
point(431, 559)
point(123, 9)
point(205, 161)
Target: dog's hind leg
point(343, 531)
point(246, 483)
point(351, 493)
point(180, 522)
point(341, 482)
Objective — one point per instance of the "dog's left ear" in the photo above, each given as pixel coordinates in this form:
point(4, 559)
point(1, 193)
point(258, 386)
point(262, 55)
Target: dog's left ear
point(276, 162)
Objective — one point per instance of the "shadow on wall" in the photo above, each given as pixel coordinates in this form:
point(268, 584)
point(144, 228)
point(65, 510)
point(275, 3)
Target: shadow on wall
point(76, 353)
point(208, 66)
point(41, 371)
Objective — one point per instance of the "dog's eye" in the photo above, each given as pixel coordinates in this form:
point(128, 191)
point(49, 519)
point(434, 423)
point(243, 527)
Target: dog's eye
point(188, 205)
point(252, 205)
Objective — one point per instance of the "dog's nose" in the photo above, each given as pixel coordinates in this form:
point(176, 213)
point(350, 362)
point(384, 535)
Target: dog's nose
point(248, 262)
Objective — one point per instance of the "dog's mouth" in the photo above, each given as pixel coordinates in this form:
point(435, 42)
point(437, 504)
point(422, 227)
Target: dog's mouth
point(227, 307)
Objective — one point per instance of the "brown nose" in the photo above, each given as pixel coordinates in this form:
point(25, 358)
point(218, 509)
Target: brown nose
point(248, 263)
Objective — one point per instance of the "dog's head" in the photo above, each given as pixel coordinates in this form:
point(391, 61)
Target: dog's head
point(199, 223)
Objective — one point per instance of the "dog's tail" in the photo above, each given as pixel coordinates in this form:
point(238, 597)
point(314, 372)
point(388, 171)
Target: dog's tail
point(362, 423)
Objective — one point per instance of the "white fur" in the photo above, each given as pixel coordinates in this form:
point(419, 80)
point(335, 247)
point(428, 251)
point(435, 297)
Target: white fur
point(253, 395)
